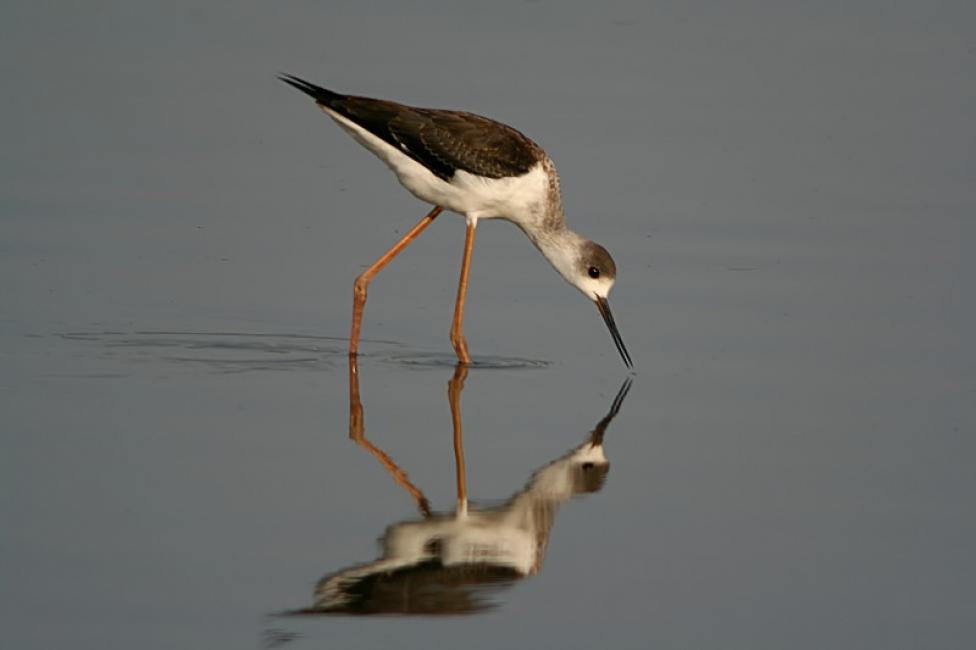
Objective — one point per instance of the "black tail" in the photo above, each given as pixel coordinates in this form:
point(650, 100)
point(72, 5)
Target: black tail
point(319, 94)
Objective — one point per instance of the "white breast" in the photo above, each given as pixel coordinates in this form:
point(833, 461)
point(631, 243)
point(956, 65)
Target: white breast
point(520, 199)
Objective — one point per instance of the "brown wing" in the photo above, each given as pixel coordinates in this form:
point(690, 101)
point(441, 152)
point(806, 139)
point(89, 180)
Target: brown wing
point(445, 141)
point(442, 141)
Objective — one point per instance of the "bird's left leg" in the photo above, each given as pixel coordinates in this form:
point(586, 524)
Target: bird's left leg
point(457, 328)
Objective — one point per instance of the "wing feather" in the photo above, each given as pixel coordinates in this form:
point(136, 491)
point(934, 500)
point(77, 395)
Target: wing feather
point(443, 141)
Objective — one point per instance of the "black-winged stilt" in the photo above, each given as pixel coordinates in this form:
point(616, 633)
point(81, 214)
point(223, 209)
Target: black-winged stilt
point(481, 169)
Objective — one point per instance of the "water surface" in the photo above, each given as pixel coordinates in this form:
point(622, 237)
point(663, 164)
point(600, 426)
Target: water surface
point(788, 192)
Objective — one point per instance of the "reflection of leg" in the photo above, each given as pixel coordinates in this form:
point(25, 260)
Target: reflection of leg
point(457, 328)
point(454, 388)
point(357, 432)
point(362, 282)
point(356, 424)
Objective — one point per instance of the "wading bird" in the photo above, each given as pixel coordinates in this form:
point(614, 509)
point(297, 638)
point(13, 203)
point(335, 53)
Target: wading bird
point(480, 169)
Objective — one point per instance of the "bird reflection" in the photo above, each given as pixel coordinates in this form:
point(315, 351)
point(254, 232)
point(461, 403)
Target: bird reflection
point(453, 562)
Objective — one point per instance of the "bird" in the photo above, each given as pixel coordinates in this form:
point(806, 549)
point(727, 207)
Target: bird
point(477, 168)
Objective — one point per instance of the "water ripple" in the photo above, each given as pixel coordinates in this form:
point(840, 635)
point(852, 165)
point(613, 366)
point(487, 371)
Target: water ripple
point(441, 360)
point(237, 352)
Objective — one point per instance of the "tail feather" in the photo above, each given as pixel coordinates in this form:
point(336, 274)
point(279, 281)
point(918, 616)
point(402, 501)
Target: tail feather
point(320, 95)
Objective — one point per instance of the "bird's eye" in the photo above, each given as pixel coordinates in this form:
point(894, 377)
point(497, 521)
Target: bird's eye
point(594, 272)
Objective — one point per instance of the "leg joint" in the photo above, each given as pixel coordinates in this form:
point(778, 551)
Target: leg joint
point(359, 286)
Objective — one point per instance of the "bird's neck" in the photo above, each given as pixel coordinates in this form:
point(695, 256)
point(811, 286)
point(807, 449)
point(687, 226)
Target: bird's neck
point(550, 234)
point(560, 246)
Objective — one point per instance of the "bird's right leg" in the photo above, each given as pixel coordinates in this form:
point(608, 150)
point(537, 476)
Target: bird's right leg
point(362, 282)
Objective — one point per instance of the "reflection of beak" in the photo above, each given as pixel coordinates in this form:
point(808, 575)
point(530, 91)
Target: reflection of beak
point(596, 436)
point(604, 307)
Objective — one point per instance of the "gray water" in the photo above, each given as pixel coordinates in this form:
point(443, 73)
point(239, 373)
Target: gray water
point(789, 191)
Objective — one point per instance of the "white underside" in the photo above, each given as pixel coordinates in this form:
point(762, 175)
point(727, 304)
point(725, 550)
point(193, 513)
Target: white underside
point(519, 199)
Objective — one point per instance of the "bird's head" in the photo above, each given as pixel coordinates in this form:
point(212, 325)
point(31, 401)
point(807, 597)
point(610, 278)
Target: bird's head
point(593, 272)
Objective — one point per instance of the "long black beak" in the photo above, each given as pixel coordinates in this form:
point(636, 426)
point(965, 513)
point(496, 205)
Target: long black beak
point(604, 307)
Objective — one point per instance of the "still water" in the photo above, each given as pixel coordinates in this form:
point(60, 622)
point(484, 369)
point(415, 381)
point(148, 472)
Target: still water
point(188, 460)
